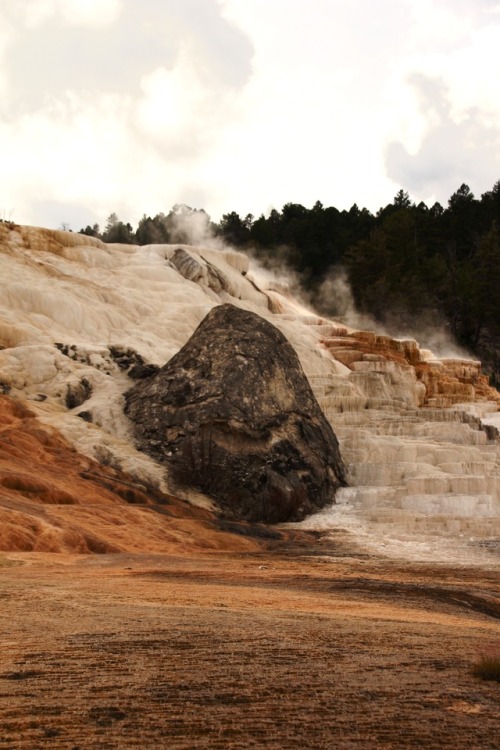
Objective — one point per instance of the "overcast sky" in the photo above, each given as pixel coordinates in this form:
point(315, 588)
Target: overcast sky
point(132, 106)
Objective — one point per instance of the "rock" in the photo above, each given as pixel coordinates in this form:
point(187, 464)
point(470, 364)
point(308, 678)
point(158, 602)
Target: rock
point(78, 393)
point(85, 415)
point(130, 360)
point(234, 415)
point(199, 270)
point(138, 372)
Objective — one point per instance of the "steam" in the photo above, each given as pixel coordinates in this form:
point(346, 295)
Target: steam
point(190, 226)
point(271, 272)
point(441, 343)
point(336, 300)
point(333, 299)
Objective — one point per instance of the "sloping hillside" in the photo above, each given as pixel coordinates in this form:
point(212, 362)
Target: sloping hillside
point(81, 321)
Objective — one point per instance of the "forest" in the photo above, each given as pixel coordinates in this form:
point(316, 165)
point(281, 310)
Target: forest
point(409, 263)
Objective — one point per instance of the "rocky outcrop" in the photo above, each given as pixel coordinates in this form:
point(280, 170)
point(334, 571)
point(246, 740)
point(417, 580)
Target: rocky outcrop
point(199, 270)
point(408, 373)
point(233, 414)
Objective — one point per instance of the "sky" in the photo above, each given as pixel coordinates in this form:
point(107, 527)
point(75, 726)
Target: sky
point(132, 106)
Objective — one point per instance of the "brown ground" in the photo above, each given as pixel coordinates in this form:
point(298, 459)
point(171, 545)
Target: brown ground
point(221, 635)
point(244, 650)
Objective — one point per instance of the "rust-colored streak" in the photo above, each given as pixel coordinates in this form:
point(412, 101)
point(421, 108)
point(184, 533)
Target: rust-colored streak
point(53, 499)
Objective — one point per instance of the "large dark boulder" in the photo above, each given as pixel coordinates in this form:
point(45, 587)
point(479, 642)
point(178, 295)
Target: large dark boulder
point(234, 415)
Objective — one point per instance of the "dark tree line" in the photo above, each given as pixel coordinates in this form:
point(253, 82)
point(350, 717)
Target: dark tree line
point(407, 261)
point(181, 224)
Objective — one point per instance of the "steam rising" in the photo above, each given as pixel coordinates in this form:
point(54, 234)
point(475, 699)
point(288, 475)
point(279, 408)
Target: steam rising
point(334, 298)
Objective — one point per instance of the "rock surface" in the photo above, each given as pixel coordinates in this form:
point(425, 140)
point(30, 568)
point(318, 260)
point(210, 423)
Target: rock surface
point(233, 414)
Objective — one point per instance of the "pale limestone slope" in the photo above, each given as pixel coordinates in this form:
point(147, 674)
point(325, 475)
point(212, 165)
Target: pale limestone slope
point(418, 460)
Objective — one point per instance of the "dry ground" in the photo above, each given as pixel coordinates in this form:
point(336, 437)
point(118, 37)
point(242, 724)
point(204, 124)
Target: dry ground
point(276, 649)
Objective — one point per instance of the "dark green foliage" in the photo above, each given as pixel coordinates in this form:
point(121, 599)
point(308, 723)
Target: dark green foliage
point(91, 231)
point(117, 231)
point(152, 231)
point(485, 281)
point(234, 229)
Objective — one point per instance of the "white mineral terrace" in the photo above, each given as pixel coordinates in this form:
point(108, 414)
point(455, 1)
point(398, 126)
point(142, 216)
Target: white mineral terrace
point(424, 477)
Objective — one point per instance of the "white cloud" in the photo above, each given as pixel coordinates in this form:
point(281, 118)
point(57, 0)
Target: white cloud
point(243, 104)
point(183, 109)
point(103, 119)
point(451, 151)
point(90, 13)
point(73, 151)
point(30, 13)
point(446, 109)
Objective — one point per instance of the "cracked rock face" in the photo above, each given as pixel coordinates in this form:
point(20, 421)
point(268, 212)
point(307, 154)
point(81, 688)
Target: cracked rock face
point(233, 415)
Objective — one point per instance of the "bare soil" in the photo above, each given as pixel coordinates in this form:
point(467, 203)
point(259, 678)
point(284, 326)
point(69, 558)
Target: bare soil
point(314, 646)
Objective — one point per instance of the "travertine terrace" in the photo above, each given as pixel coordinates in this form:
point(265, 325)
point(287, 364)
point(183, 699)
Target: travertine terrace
point(131, 617)
point(76, 315)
